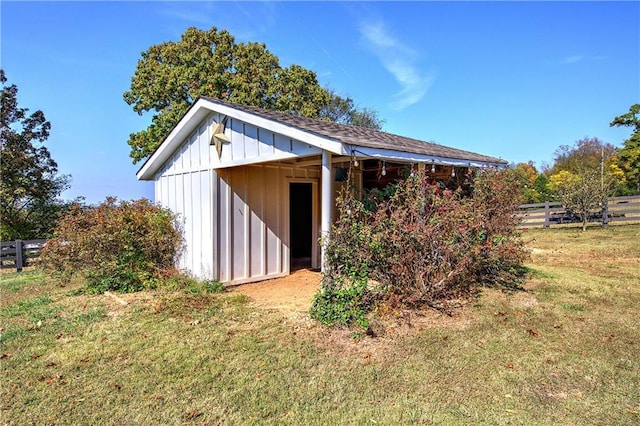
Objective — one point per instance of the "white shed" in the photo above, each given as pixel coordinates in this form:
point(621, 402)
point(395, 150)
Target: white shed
point(255, 189)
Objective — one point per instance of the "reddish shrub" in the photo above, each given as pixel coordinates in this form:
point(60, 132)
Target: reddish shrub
point(123, 246)
point(426, 245)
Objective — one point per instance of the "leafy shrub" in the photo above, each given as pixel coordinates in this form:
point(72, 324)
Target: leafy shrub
point(500, 253)
point(342, 305)
point(425, 245)
point(120, 246)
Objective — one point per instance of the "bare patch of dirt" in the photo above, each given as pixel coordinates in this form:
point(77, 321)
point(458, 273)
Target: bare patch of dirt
point(291, 295)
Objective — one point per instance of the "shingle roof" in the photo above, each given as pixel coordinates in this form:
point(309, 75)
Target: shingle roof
point(361, 136)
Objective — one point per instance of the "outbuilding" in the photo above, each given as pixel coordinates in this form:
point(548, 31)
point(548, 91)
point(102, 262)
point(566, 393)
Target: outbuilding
point(255, 189)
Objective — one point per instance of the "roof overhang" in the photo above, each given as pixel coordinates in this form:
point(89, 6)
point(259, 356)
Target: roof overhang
point(201, 109)
point(204, 107)
point(409, 157)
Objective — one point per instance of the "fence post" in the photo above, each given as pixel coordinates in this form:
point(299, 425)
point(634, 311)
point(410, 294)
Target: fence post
point(19, 259)
point(547, 214)
point(605, 213)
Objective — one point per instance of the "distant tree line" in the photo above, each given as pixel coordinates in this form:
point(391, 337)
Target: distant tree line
point(585, 174)
point(589, 165)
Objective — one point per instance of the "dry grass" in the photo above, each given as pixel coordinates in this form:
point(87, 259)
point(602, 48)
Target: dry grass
point(563, 351)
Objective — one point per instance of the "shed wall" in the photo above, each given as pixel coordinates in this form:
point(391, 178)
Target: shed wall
point(192, 196)
point(235, 220)
point(254, 221)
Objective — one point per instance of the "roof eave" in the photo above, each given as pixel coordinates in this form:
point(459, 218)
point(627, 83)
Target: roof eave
point(409, 157)
point(181, 131)
point(323, 142)
point(205, 106)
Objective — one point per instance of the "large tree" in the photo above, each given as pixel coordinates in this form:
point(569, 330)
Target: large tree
point(586, 153)
point(629, 154)
point(29, 183)
point(172, 75)
point(343, 110)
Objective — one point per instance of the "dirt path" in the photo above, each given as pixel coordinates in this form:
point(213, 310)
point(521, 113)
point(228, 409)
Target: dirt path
point(291, 294)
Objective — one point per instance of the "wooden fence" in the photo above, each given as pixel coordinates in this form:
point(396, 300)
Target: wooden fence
point(549, 214)
point(18, 254)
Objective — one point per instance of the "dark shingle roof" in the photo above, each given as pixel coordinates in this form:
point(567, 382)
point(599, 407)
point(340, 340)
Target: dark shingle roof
point(361, 136)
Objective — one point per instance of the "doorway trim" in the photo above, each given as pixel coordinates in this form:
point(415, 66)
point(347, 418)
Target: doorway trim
point(315, 221)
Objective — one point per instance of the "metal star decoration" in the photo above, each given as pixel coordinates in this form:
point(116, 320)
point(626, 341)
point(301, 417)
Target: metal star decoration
point(219, 138)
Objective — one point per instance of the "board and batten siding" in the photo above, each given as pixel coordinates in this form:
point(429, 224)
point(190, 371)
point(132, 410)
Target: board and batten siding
point(235, 219)
point(186, 185)
point(250, 144)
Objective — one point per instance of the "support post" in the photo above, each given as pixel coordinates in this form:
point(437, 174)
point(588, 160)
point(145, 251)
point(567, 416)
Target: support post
point(605, 213)
point(547, 214)
point(19, 257)
point(327, 190)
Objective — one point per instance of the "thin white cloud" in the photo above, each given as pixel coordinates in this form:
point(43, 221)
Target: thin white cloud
point(399, 60)
point(257, 19)
point(572, 59)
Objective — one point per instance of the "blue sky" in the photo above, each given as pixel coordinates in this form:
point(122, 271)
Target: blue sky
point(509, 79)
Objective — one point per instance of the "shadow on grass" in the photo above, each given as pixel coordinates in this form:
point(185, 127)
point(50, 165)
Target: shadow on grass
point(510, 280)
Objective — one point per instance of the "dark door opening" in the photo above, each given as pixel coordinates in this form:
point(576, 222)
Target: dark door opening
point(300, 222)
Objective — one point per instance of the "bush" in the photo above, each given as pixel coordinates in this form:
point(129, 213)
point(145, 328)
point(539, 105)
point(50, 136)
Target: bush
point(423, 244)
point(119, 246)
point(342, 305)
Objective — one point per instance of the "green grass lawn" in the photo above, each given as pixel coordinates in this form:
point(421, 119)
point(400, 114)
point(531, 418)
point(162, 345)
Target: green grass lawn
point(565, 350)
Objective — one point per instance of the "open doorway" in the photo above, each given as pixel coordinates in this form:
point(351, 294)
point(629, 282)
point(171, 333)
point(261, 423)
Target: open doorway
point(301, 224)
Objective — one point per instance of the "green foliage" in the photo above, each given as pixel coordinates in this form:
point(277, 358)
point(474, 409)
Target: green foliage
point(541, 187)
point(30, 183)
point(172, 75)
point(532, 184)
point(343, 111)
point(629, 154)
point(583, 193)
point(213, 286)
point(344, 299)
point(206, 286)
point(421, 245)
point(586, 153)
point(584, 175)
point(124, 247)
point(342, 305)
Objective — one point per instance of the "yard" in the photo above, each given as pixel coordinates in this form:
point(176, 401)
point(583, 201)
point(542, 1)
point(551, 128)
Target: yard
point(564, 350)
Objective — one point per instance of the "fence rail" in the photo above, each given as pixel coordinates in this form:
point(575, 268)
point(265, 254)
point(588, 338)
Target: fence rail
point(549, 214)
point(19, 254)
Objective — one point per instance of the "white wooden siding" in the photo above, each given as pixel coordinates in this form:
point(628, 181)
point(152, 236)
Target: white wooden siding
point(235, 219)
point(254, 225)
point(250, 144)
point(189, 195)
